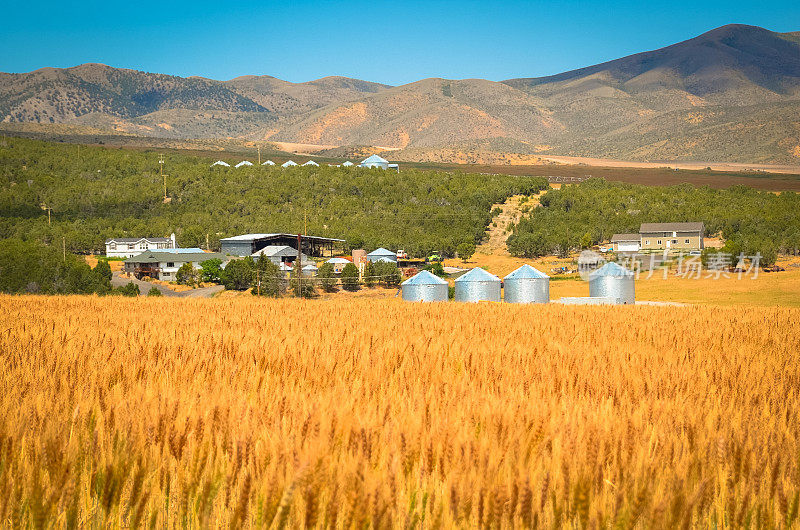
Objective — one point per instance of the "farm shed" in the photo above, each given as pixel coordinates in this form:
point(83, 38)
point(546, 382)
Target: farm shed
point(338, 264)
point(381, 254)
point(289, 164)
point(268, 163)
point(220, 163)
point(278, 254)
point(311, 163)
point(425, 287)
point(244, 163)
point(478, 285)
point(612, 281)
point(526, 285)
point(347, 164)
point(248, 244)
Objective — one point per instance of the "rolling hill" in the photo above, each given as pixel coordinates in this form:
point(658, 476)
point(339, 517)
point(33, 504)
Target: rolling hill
point(731, 94)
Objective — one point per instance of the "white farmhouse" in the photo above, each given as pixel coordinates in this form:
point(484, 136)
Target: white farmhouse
point(127, 247)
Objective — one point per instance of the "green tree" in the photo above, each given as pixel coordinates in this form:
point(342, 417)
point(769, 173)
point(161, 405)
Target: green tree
point(154, 292)
point(369, 274)
point(269, 280)
point(301, 285)
point(586, 240)
point(466, 250)
point(238, 275)
point(350, 277)
point(186, 275)
point(436, 268)
point(102, 277)
point(387, 273)
point(211, 270)
point(327, 278)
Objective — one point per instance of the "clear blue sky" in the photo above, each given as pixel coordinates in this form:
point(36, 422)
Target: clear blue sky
point(391, 42)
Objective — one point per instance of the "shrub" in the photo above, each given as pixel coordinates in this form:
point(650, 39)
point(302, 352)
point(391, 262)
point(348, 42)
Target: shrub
point(466, 250)
point(327, 278)
point(350, 277)
point(238, 274)
point(186, 275)
point(154, 292)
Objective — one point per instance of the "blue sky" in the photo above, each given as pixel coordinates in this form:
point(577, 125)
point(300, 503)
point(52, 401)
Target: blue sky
point(391, 42)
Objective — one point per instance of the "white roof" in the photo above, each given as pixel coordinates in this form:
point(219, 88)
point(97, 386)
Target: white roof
point(244, 163)
point(271, 250)
point(310, 267)
point(348, 163)
point(220, 163)
point(268, 163)
point(337, 261)
point(289, 163)
point(246, 237)
point(374, 159)
point(311, 163)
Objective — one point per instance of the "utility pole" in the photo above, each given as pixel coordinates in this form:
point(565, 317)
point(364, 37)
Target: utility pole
point(207, 248)
point(259, 154)
point(299, 265)
point(305, 223)
point(258, 281)
point(64, 246)
point(163, 176)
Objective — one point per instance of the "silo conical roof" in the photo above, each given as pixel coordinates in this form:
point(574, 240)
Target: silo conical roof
point(526, 272)
point(610, 269)
point(424, 278)
point(478, 275)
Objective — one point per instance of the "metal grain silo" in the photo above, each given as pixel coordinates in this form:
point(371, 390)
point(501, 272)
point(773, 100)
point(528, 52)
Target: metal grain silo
point(612, 281)
point(424, 287)
point(477, 286)
point(527, 285)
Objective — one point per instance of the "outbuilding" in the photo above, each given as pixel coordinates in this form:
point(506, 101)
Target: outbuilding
point(311, 163)
point(614, 282)
point(626, 242)
point(244, 163)
point(268, 163)
point(290, 163)
point(381, 254)
point(220, 163)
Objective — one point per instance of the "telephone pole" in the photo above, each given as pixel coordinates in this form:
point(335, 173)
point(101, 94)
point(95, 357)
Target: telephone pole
point(259, 154)
point(64, 246)
point(299, 265)
point(163, 176)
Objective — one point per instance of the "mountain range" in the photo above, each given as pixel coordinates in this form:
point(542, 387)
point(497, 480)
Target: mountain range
point(731, 94)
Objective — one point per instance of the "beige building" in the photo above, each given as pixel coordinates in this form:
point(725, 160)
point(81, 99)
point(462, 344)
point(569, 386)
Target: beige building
point(626, 242)
point(671, 236)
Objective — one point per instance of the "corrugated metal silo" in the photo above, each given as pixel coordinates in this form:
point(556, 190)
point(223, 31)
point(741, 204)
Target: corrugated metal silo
point(424, 287)
point(612, 281)
point(477, 286)
point(527, 285)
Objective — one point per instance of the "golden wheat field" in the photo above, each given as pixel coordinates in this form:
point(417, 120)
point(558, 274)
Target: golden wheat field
point(162, 413)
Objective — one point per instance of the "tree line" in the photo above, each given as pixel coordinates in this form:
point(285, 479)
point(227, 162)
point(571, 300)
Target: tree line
point(581, 215)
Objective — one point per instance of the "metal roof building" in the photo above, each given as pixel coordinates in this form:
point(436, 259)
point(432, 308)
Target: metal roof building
point(381, 254)
point(614, 282)
point(311, 163)
point(243, 163)
point(526, 285)
point(248, 244)
point(220, 163)
point(478, 286)
point(347, 164)
point(289, 164)
point(424, 287)
point(280, 254)
point(164, 265)
point(268, 163)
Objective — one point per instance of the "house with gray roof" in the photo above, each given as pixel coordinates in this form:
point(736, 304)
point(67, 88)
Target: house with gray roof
point(127, 247)
point(672, 236)
point(626, 242)
point(278, 254)
point(164, 265)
